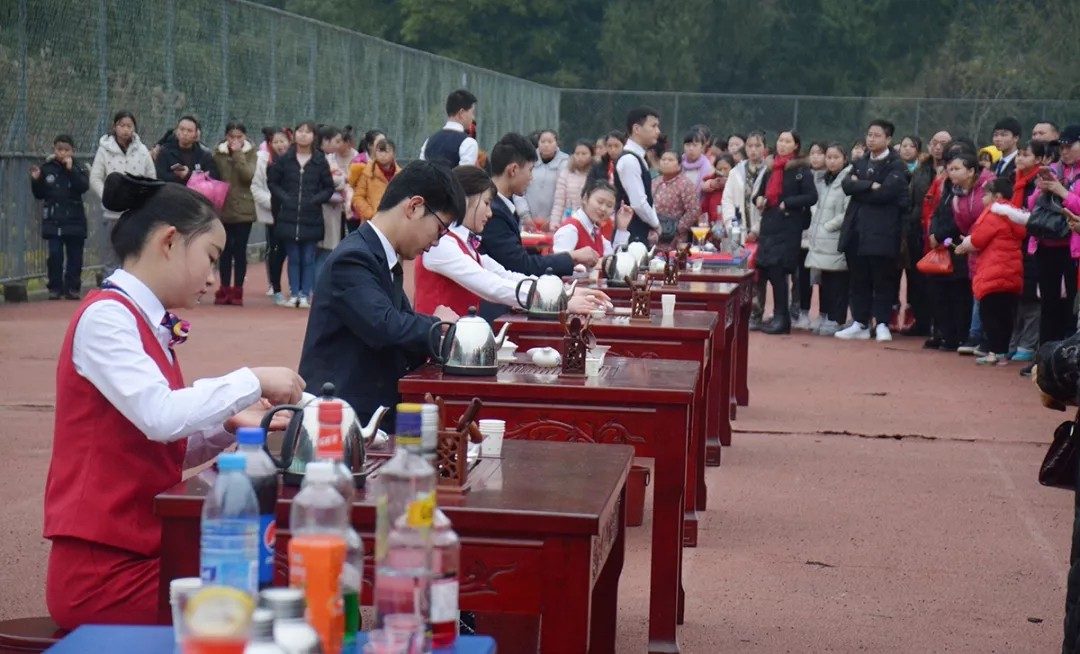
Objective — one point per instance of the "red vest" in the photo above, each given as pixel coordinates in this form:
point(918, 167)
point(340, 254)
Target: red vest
point(586, 239)
point(104, 472)
point(433, 289)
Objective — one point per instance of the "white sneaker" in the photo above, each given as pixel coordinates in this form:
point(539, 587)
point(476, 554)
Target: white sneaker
point(279, 300)
point(802, 323)
point(882, 333)
point(856, 331)
point(827, 328)
point(270, 291)
point(303, 303)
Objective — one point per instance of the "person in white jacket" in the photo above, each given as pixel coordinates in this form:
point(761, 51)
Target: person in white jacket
point(331, 140)
point(743, 183)
point(119, 151)
point(827, 217)
point(550, 162)
point(279, 143)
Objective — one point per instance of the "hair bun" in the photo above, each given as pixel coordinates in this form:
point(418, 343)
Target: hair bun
point(124, 192)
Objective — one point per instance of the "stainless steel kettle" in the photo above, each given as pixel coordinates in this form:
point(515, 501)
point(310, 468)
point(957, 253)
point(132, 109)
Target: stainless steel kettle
point(619, 266)
point(299, 445)
point(469, 346)
point(547, 296)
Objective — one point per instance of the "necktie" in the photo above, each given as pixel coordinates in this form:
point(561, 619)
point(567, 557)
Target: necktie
point(178, 329)
point(474, 241)
point(398, 277)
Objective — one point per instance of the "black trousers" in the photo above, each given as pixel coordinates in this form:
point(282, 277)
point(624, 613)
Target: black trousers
point(835, 290)
point(998, 312)
point(65, 278)
point(873, 288)
point(801, 289)
point(777, 277)
point(275, 259)
point(234, 256)
point(952, 308)
point(1057, 278)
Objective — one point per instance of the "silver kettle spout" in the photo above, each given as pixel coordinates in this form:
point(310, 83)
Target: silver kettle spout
point(570, 289)
point(501, 335)
point(368, 431)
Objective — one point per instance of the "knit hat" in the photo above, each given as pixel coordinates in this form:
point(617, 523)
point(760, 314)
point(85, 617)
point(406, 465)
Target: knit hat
point(1009, 125)
point(994, 153)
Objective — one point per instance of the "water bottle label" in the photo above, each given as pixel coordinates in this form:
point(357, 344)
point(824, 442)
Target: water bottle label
point(421, 511)
point(444, 600)
point(268, 530)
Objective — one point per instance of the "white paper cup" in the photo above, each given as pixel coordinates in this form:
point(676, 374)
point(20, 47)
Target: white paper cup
point(696, 265)
point(667, 303)
point(493, 432)
point(592, 366)
point(180, 591)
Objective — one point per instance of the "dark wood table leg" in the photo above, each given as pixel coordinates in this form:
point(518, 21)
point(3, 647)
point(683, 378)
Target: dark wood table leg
point(667, 538)
point(179, 558)
point(728, 381)
point(564, 626)
point(695, 469)
point(605, 604)
point(742, 345)
point(718, 396)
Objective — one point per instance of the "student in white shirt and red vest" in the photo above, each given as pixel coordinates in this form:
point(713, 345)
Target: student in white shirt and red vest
point(455, 273)
point(126, 424)
point(583, 227)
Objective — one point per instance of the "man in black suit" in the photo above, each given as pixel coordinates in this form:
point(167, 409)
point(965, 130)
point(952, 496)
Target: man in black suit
point(512, 161)
point(363, 335)
point(1006, 137)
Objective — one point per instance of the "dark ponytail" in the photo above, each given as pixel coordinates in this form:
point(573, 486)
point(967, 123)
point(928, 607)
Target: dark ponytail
point(474, 181)
point(595, 185)
point(146, 203)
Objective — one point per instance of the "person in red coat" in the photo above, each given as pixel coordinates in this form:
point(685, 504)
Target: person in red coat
point(126, 424)
point(999, 277)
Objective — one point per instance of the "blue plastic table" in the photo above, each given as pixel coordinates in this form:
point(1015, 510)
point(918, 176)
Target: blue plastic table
point(101, 639)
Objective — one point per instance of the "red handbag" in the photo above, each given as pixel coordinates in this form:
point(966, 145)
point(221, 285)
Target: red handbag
point(936, 262)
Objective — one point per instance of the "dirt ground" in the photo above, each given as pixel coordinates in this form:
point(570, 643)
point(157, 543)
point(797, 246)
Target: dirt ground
point(877, 498)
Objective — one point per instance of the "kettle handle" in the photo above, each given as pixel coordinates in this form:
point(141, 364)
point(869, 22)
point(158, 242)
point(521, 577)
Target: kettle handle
point(604, 263)
point(289, 442)
point(433, 340)
point(517, 291)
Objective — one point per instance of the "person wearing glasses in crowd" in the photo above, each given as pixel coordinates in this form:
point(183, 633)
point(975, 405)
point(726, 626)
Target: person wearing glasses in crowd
point(363, 334)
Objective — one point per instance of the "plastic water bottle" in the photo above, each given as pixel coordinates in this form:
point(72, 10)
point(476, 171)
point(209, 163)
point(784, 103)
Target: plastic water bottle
point(429, 433)
point(262, 474)
point(405, 507)
point(446, 560)
point(229, 554)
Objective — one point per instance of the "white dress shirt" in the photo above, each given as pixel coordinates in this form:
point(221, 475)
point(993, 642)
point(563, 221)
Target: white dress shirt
point(629, 172)
point(565, 239)
point(107, 351)
point(488, 278)
point(391, 254)
point(468, 151)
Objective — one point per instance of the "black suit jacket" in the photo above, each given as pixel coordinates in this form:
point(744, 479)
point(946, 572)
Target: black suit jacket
point(1009, 170)
point(502, 242)
point(358, 338)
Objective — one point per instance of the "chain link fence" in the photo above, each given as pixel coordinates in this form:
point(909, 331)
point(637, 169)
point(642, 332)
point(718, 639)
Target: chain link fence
point(67, 67)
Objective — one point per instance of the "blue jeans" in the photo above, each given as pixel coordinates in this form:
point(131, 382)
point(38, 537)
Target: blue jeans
point(975, 334)
point(65, 278)
point(301, 255)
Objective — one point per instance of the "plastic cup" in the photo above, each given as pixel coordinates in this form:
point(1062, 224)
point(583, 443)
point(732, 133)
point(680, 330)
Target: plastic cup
point(696, 265)
point(667, 303)
point(493, 432)
point(592, 365)
point(382, 641)
point(180, 591)
point(407, 627)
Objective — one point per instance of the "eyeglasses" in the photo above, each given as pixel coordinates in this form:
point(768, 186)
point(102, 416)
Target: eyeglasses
point(444, 228)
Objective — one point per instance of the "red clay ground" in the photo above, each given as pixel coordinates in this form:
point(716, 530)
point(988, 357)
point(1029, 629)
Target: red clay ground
point(820, 535)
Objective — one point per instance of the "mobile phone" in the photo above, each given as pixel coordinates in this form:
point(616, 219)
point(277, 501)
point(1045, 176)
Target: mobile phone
point(176, 166)
point(1046, 173)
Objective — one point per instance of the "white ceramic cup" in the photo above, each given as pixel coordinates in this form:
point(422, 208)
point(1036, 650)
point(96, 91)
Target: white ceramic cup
point(493, 432)
point(696, 265)
point(180, 591)
point(667, 303)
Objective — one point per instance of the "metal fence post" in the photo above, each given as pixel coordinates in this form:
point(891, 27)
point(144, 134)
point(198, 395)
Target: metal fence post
point(273, 70)
point(675, 121)
point(170, 63)
point(795, 116)
point(22, 209)
point(224, 99)
point(103, 65)
point(313, 52)
point(918, 110)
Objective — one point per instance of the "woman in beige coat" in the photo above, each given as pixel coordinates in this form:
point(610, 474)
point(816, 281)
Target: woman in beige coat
point(236, 159)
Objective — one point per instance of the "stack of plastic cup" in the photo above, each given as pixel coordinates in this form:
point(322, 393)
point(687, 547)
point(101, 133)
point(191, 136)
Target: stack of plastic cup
point(493, 432)
point(180, 591)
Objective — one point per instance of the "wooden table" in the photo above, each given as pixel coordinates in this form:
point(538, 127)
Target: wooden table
point(688, 335)
point(542, 533)
point(745, 279)
point(716, 297)
point(647, 403)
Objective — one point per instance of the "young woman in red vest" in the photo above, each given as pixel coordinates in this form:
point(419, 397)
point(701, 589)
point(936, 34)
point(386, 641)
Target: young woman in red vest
point(583, 227)
point(126, 425)
point(456, 274)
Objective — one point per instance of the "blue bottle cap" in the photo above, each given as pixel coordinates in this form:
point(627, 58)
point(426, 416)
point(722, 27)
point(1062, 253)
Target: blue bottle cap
point(231, 461)
point(250, 436)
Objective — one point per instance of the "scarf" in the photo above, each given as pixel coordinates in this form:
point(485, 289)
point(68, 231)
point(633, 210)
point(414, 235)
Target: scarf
point(775, 185)
point(1019, 196)
point(696, 166)
point(389, 171)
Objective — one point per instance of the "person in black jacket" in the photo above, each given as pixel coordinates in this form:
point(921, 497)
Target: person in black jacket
point(870, 236)
point(913, 244)
point(61, 182)
point(300, 182)
point(182, 155)
point(512, 160)
point(786, 194)
point(363, 335)
point(1006, 137)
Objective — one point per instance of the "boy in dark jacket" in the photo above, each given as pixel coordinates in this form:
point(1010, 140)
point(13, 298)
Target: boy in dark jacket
point(60, 182)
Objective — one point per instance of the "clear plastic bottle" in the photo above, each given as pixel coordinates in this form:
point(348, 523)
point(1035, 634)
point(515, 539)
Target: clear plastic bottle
point(330, 448)
point(262, 634)
point(262, 473)
point(229, 543)
point(291, 631)
point(405, 506)
point(429, 432)
point(446, 561)
point(317, 552)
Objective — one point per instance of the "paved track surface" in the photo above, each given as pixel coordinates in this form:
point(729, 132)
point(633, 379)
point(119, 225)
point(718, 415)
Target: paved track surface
point(877, 498)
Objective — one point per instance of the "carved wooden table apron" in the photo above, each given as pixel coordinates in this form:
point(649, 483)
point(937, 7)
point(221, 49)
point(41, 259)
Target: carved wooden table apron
point(542, 533)
point(646, 403)
point(689, 336)
point(745, 280)
point(719, 298)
